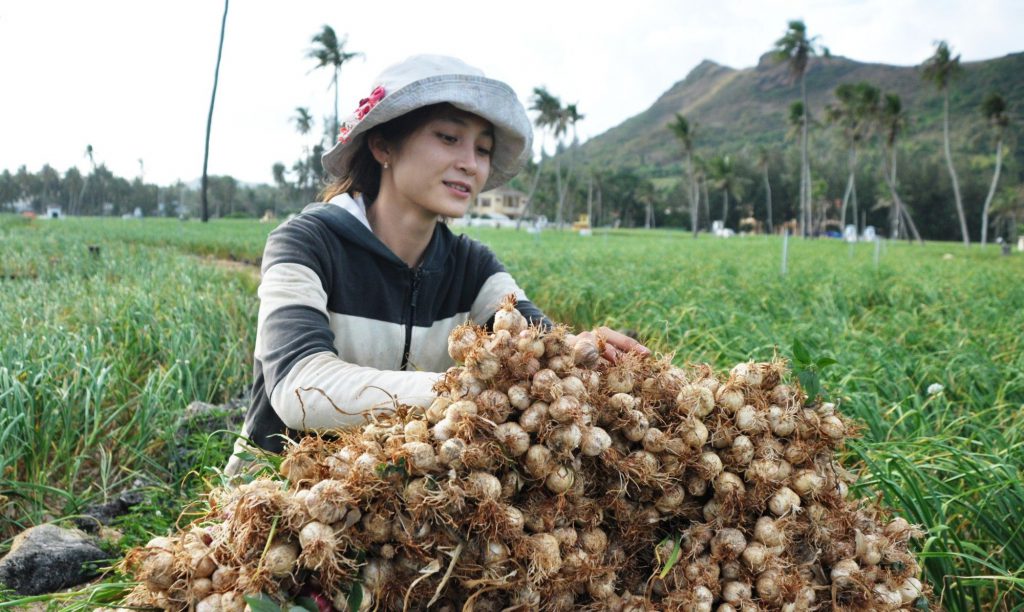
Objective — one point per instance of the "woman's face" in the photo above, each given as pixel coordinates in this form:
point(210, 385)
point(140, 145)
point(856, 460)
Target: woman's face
point(442, 165)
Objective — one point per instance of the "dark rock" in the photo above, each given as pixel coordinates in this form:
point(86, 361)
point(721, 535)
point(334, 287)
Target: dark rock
point(131, 498)
point(206, 417)
point(48, 558)
point(97, 515)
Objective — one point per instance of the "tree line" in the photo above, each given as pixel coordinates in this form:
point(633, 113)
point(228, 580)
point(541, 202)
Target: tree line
point(102, 193)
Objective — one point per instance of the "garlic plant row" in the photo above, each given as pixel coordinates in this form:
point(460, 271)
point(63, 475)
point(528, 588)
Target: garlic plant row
point(543, 477)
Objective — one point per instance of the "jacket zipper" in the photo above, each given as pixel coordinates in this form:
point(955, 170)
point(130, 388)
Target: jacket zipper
point(413, 295)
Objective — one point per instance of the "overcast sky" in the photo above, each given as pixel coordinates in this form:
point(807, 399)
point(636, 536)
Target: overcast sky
point(133, 78)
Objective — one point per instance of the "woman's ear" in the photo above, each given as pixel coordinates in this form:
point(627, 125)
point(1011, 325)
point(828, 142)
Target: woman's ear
point(379, 147)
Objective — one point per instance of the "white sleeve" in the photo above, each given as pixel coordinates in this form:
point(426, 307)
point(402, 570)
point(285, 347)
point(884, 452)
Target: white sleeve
point(323, 392)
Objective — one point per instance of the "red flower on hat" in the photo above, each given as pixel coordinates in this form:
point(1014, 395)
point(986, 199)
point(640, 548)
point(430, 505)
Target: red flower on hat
point(365, 106)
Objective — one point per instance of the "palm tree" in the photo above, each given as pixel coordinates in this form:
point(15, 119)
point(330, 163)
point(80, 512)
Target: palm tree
point(855, 115)
point(547, 107)
point(303, 120)
point(701, 171)
point(85, 183)
point(796, 49)
point(1009, 209)
point(557, 119)
point(763, 157)
point(209, 117)
point(303, 168)
point(570, 117)
point(685, 132)
point(941, 68)
point(796, 124)
point(994, 109)
point(892, 120)
point(723, 174)
point(330, 52)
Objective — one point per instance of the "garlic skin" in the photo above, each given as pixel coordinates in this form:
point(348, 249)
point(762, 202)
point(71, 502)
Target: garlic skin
point(696, 400)
point(534, 417)
point(461, 341)
point(728, 544)
point(539, 461)
point(546, 385)
point(736, 592)
point(844, 573)
point(545, 558)
point(595, 441)
point(910, 590)
point(767, 531)
point(280, 559)
point(585, 353)
point(515, 439)
point(560, 480)
point(730, 399)
point(784, 502)
point(509, 320)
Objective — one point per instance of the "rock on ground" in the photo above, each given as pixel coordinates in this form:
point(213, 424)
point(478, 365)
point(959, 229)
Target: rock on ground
point(96, 516)
point(47, 558)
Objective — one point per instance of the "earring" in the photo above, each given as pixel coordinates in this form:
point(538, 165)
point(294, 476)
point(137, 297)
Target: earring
point(385, 165)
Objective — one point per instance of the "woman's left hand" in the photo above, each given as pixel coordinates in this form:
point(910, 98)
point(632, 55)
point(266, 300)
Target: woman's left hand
point(615, 343)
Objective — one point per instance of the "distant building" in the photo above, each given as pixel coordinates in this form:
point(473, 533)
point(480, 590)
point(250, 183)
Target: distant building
point(502, 201)
point(21, 205)
point(53, 211)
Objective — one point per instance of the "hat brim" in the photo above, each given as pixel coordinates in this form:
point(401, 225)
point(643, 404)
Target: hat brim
point(493, 100)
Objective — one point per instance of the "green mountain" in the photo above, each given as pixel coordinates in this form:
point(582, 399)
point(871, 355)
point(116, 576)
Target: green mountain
point(733, 108)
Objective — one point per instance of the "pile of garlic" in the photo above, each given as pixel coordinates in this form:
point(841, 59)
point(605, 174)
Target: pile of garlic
point(543, 477)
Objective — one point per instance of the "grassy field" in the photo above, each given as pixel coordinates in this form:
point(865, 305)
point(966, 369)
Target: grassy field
point(99, 355)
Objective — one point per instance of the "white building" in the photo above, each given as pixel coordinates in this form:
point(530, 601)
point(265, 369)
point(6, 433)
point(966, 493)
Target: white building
point(501, 201)
point(53, 211)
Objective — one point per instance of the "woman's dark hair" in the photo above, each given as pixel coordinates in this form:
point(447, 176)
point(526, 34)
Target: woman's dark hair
point(364, 171)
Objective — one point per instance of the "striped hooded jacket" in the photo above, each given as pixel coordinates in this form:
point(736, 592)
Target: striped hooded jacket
point(344, 323)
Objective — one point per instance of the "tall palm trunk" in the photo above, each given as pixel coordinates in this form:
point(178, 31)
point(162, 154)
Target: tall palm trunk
point(991, 191)
point(81, 196)
point(209, 117)
point(805, 167)
point(725, 206)
point(858, 222)
point(768, 199)
point(533, 188)
point(890, 181)
point(694, 194)
point(851, 163)
point(590, 199)
point(529, 196)
point(895, 228)
point(707, 200)
point(808, 196)
point(558, 187)
point(337, 127)
point(952, 171)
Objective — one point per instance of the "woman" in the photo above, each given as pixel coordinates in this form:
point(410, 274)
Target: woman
point(358, 295)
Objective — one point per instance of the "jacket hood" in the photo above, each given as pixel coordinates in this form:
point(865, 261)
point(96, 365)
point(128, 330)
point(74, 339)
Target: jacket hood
point(348, 227)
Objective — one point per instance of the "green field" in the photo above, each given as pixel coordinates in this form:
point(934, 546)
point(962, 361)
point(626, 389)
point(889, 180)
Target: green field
point(100, 354)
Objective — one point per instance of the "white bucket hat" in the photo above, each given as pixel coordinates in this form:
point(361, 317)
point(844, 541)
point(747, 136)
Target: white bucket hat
point(423, 80)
